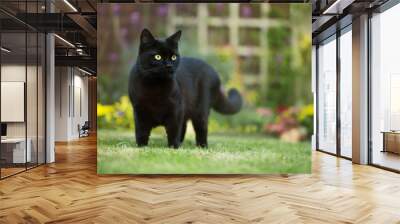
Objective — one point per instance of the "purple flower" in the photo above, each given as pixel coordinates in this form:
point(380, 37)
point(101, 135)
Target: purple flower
point(180, 6)
point(162, 10)
point(116, 8)
point(246, 11)
point(265, 112)
point(123, 34)
point(220, 7)
point(279, 58)
point(113, 57)
point(135, 17)
point(124, 31)
point(120, 113)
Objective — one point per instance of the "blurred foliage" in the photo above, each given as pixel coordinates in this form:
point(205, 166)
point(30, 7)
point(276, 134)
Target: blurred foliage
point(249, 36)
point(116, 116)
point(279, 11)
point(218, 35)
point(272, 122)
point(218, 10)
point(248, 10)
point(306, 118)
point(300, 15)
point(247, 121)
point(292, 124)
point(280, 83)
point(303, 69)
point(109, 88)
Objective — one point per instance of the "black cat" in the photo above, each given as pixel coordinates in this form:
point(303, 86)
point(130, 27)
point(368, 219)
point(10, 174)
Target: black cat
point(167, 89)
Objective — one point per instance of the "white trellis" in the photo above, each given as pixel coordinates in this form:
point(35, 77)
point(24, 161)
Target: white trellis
point(202, 21)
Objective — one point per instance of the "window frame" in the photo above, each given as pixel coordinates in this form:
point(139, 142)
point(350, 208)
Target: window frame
point(346, 27)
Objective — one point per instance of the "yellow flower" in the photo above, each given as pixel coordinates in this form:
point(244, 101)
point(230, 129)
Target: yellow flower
point(104, 110)
point(306, 111)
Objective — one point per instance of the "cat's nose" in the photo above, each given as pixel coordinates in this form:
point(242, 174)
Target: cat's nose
point(169, 65)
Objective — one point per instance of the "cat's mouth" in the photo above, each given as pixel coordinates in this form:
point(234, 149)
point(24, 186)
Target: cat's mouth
point(160, 73)
point(169, 70)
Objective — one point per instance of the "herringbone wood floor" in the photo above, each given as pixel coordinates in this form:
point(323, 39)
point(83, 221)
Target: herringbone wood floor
point(70, 191)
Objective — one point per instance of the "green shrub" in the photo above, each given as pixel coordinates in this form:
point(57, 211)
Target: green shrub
point(249, 120)
point(116, 116)
point(297, 119)
point(306, 118)
point(246, 121)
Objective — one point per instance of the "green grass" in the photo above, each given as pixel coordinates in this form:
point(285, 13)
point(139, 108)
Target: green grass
point(227, 154)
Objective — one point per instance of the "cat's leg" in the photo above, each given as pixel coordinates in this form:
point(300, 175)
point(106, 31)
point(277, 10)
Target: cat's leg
point(200, 118)
point(183, 131)
point(142, 130)
point(174, 128)
point(200, 125)
point(142, 135)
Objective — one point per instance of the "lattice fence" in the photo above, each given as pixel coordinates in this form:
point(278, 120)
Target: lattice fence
point(243, 26)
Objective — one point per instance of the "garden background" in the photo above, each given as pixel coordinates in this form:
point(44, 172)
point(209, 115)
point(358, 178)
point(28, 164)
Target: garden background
point(264, 50)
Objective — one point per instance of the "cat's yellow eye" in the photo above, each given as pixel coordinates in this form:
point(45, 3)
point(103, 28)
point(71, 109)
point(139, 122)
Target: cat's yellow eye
point(157, 57)
point(173, 57)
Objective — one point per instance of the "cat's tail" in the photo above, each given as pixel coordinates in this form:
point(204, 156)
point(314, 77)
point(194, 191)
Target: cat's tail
point(230, 104)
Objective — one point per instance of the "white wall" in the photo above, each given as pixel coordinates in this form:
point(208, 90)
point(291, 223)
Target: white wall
point(13, 100)
point(80, 115)
point(71, 94)
point(62, 81)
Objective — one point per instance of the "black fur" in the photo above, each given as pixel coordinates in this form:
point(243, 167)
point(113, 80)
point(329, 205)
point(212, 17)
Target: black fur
point(170, 92)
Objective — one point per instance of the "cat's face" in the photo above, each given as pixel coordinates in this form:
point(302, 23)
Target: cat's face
point(158, 59)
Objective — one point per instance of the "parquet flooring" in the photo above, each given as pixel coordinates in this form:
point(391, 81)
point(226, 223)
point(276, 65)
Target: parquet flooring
point(10, 171)
point(70, 191)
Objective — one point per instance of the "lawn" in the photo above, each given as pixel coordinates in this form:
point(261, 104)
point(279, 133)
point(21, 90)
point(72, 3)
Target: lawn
point(227, 154)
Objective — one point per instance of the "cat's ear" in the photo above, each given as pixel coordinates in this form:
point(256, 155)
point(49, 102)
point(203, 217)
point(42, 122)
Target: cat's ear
point(146, 37)
point(175, 37)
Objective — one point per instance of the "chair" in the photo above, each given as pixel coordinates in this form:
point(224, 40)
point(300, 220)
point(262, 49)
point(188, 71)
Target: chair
point(84, 130)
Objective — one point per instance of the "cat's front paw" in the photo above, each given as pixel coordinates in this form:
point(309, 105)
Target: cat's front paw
point(174, 145)
point(141, 144)
point(202, 145)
